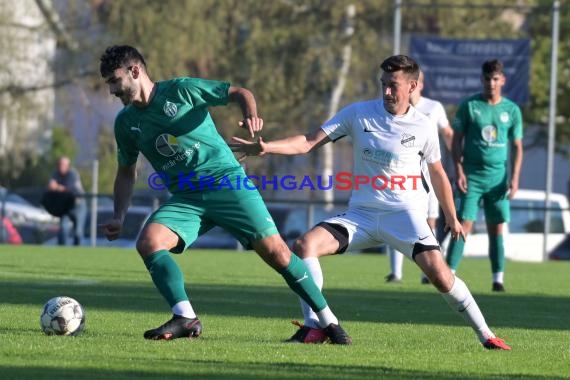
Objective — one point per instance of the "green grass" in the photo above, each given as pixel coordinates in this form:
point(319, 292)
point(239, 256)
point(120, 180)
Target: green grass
point(400, 331)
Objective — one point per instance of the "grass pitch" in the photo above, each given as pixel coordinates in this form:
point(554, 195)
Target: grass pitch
point(400, 331)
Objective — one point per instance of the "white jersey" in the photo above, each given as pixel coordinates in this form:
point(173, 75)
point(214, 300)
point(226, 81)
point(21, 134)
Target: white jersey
point(387, 150)
point(435, 112)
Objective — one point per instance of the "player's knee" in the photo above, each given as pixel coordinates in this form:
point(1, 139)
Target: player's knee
point(147, 245)
point(299, 247)
point(304, 247)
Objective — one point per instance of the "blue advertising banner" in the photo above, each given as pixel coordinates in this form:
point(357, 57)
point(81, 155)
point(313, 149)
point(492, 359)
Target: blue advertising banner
point(452, 67)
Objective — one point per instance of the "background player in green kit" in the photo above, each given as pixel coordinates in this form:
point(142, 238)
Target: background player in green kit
point(169, 123)
point(485, 125)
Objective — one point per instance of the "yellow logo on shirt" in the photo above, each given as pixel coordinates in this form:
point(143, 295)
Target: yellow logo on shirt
point(489, 133)
point(166, 145)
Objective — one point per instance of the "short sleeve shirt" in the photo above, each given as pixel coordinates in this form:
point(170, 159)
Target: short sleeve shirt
point(177, 135)
point(386, 149)
point(488, 129)
point(435, 111)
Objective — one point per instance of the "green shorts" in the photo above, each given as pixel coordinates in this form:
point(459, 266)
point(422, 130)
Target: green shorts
point(492, 190)
point(240, 212)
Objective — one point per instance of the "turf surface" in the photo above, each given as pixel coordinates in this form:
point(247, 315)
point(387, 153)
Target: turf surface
point(403, 330)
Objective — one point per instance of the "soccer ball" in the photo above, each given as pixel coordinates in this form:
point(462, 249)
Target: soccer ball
point(62, 316)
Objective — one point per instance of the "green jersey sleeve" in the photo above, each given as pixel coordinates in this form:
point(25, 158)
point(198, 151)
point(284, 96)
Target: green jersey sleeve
point(204, 92)
point(127, 151)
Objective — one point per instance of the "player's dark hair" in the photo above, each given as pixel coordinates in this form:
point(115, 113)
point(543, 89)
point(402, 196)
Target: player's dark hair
point(492, 66)
point(401, 63)
point(117, 56)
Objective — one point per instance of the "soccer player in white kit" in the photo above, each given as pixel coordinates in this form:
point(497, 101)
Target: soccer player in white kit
point(390, 138)
point(435, 111)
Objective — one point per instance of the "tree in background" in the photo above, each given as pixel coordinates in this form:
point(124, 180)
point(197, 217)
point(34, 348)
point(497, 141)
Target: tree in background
point(288, 52)
point(540, 24)
point(107, 156)
point(26, 101)
point(38, 170)
point(526, 19)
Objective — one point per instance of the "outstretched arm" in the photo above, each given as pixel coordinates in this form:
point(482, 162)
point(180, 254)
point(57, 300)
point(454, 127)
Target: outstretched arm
point(245, 99)
point(298, 144)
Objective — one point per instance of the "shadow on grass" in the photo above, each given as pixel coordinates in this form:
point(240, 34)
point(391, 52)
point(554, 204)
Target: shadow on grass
point(207, 369)
point(386, 306)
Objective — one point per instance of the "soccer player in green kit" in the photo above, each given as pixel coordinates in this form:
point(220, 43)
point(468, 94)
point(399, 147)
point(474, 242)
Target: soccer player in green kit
point(169, 123)
point(484, 126)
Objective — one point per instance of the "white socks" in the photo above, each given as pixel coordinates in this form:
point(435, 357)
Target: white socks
point(396, 262)
point(498, 277)
point(184, 308)
point(326, 317)
point(461, 300)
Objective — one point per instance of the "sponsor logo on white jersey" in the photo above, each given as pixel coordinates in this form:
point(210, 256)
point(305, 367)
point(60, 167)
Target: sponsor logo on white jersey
point(408, 140)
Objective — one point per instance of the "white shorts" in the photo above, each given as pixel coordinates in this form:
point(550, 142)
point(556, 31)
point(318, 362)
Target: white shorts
point(433, 205)
point(401, 229)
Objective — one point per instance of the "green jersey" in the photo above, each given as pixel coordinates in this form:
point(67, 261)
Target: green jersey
point(487, 130)
point(177, 135)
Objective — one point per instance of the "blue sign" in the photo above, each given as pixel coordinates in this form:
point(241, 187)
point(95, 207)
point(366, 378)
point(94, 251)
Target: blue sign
point(452, 67)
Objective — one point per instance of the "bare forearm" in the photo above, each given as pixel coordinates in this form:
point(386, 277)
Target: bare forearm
point(245, 99)
point(298, 144)
point(517, 162)
point(289, 146)
point(457, 152)
point(447, 135)
point(123, 191)
point(54, 186)
point(444, 194)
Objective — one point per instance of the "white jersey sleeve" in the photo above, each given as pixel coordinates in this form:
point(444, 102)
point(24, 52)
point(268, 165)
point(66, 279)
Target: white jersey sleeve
point(431, 151)
point(434, 111)
point(440, 117)
point(340, 125)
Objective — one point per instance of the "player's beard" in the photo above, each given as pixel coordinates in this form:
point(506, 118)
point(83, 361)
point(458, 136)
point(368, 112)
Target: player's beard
point(390, 105)
point(127, 95)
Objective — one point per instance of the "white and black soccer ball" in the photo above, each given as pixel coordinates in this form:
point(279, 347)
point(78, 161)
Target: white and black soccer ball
point(62, 316)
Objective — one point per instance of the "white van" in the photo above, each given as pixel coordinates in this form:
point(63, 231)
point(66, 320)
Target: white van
point(524, 233)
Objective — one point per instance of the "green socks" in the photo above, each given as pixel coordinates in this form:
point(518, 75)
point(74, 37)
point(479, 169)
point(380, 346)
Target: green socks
point(497, 253)
point(455, 252)
point(167, 276)
point(299, 279)
point(169, 281)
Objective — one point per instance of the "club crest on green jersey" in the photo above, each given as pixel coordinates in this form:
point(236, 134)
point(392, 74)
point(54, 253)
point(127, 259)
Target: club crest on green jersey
point(170, 109)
